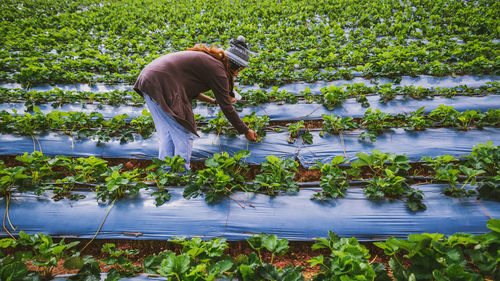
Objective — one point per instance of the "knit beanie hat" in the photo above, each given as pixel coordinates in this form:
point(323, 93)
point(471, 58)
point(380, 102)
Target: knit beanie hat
point(238, 51)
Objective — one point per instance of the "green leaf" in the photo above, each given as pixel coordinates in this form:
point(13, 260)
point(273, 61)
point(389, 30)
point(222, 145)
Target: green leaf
point(246, 272)
point(174, 264)
point(90, 271)
point(220, 267)
point(494, 224)
point(13, 271)
point(7, 242)
point(74, 262)
point(316, 260)
point(113, 276)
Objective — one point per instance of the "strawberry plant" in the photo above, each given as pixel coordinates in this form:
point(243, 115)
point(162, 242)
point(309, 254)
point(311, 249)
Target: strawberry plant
point(416, 121)
point(252, 267)
point(445, 115)
point(90, 169)
point(375, 122)
point(436, 257)
point(119, 184)
point(308, 95)
point(256, 123)
point(484, 157)
point(333, 178)
point(282, 96)
point(386, 92)
point(269, 242)
point(333, 96)
point(13, 268)
point(220, 125)
point(359, 91)
point(299, 129)
point(118, 262)
point(388, 181)
point(489, 118)
point(89, 269)
point(199, 260)
point(277, 175)
point(466, 118)
point(451, 177)
point(10, 177)
point(143, 125)
point(378, 161)
point(37, 166)
point(348, 260)
point(254, 97)
point(167, 172)
point(222, 175)
point(388, 185)
point(44, 254)
point(335, 124)
point(62, 189)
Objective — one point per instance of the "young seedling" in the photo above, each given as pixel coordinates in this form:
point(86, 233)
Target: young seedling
point(277, 175)
point(167, 172)
point(333, 178)
point(335, 124)
point(348, 259)
point(299, 129)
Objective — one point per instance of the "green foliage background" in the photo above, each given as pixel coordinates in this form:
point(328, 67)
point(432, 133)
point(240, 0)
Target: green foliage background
point(111, 41)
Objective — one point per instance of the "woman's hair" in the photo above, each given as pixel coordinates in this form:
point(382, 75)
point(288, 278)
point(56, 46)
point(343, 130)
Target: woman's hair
point(221, 56)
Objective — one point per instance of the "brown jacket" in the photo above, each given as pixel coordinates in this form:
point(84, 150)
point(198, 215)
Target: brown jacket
point(175, 79)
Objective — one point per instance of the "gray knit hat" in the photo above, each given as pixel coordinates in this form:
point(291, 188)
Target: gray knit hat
point(238, 51)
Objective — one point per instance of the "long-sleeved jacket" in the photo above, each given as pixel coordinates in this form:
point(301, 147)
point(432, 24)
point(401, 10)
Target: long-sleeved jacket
point(175, 79)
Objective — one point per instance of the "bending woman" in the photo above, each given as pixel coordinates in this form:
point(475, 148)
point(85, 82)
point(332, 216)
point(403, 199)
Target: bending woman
point(170, 82)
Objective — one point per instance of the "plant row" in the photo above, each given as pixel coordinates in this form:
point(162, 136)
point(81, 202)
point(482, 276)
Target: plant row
point(331, 96)
point(338, 63)
point(386, 176)
point(85, 41)
point(375, 122)
point(93, 125)
point(459, 256)
point(57, 97)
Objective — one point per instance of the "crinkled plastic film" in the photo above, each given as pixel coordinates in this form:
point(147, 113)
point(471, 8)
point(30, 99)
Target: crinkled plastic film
point(431, 142)
point(299, 111)
point(203, 147)
point(420, 80)
point(292, 216)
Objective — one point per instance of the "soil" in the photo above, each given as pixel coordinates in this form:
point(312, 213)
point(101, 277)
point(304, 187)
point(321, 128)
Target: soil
point(298, 255)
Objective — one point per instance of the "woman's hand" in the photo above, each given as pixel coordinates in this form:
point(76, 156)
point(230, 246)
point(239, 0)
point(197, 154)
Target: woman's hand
point(251, 135)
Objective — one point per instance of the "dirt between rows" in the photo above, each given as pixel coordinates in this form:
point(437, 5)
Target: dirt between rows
point(298, 255)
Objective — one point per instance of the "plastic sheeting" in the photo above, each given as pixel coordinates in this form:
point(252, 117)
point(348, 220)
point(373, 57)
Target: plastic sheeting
point(425, 81)
point(431, 142)
point(204, 147)
point(350, 107)
point(291, 216)
point(420, 80)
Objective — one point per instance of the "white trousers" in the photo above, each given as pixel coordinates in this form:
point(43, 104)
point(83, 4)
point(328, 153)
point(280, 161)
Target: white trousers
point(174, 138)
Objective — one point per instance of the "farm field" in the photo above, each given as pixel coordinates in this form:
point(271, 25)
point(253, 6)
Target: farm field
point(377, 155)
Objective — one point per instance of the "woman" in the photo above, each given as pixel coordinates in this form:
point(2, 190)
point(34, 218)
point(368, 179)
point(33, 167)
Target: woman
point(170, 82)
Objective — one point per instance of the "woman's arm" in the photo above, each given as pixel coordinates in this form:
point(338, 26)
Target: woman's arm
point(204, 98)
